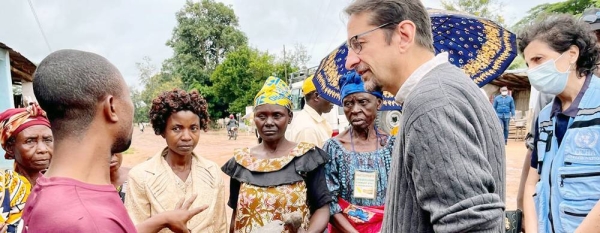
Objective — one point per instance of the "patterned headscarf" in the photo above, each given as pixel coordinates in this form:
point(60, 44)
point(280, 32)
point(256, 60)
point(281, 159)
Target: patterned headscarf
point(352, 83)
point(15, 120)
point(275, 91)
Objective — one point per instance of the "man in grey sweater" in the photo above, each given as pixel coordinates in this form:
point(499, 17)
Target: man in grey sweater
point(448, 170)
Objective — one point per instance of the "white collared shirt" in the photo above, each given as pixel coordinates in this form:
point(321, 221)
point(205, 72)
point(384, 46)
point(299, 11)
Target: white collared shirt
point(418, 74)
point(308, 126)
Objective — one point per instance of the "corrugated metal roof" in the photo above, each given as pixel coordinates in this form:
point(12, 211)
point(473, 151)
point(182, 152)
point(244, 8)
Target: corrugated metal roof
point(21, 67)
point(513, 79)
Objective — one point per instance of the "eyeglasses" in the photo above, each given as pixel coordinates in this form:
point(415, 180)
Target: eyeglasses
point(355, 45)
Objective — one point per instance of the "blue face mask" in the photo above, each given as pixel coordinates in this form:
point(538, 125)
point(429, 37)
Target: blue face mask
point(547, 79)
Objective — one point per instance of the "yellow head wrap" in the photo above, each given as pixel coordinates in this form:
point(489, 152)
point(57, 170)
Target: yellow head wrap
point(308, 85)
point(275, 91)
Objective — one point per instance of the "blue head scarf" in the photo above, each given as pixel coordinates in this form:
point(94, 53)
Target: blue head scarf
point(352, 83)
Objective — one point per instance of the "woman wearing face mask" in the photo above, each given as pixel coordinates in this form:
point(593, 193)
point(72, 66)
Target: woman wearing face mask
point(357, 174)
point(563, 186)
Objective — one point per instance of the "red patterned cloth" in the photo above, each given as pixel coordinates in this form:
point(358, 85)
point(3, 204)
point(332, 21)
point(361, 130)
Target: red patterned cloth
point(365, 219)
point(15, 120)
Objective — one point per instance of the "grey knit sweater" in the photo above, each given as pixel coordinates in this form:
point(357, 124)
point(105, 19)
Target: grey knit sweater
point(448, 170)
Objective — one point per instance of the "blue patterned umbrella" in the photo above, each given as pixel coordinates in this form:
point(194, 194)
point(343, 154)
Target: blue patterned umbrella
point(480, 47)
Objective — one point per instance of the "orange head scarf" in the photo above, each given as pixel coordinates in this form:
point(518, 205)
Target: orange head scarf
point(15, 120)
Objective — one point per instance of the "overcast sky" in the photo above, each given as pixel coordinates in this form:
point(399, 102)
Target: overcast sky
point(126, 31)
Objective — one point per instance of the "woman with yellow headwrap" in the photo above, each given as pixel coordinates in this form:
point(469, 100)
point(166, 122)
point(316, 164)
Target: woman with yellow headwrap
point(278, 185)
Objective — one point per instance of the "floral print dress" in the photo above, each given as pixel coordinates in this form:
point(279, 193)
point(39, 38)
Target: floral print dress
point(265, 190)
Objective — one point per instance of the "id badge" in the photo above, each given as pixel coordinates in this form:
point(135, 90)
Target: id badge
point(365, 184)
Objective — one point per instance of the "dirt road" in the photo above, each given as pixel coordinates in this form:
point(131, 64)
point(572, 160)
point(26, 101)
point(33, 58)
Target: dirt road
point(214, 145)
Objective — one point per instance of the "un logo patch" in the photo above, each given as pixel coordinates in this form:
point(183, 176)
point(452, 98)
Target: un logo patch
point(586, 138)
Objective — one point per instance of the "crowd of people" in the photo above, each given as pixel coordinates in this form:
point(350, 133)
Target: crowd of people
point(443, 171)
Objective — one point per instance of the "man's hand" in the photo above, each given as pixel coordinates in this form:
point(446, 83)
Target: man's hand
point(177, 219)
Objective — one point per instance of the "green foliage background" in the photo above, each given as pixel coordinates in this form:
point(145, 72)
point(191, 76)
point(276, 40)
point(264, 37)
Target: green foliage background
point(211, 54)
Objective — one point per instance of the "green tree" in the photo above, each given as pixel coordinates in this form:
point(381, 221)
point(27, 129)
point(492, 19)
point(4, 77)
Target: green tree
point(518, 63)
point(573, 7)
point(141, 108)
point(239, 78)
point(206, 31)
point(158, 84)
point(146, 69)
point(153, 83)
point(282, 67)
point(482, 8)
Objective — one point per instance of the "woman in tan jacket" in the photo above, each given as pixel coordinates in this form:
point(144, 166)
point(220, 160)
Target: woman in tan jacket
point(157, 184)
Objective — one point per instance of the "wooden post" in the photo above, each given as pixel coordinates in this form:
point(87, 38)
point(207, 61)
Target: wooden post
point(6, 95)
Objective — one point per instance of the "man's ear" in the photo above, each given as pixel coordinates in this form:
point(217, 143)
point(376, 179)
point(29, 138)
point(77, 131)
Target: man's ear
point(406, 32)
point(109, 109)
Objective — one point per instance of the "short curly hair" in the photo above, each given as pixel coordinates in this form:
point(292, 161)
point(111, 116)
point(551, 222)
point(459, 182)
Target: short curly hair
point(170, 102)
point(560, 32)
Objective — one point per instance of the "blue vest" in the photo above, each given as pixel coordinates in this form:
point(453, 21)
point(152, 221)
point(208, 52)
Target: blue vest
point(569, 185)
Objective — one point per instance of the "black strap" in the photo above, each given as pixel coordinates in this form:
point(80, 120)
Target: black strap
point(583, 124)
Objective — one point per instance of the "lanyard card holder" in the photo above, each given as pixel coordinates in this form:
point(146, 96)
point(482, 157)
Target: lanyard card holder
point(365, 184)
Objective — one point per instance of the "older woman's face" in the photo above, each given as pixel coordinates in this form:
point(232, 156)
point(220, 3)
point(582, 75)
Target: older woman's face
point(361, 109)
point(33, 147)
point(271, 121)
point(538, 52)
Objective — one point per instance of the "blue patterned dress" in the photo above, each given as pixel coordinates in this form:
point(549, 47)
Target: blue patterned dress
point(339, 172)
